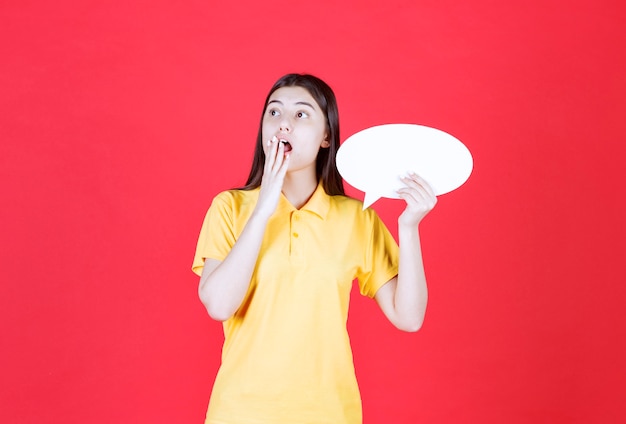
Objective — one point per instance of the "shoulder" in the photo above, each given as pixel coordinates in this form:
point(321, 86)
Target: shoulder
point(236, 198)
point(352, 208)
point(345, 203)
point(233, 205)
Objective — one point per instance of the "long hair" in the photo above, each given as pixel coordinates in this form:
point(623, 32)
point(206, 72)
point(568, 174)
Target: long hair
point(325, 164)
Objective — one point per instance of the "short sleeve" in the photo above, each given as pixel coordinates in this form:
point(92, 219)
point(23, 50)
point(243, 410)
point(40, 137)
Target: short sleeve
point(381, 258)
point(217, 235)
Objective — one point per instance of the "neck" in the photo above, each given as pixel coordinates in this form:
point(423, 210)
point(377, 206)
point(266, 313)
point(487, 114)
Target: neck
point(299, 187)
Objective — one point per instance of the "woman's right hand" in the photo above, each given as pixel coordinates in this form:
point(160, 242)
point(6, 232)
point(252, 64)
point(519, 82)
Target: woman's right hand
point(224, 285)
point(274, 171)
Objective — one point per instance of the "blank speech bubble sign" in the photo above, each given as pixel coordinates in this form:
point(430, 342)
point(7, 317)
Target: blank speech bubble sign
point(373, 159)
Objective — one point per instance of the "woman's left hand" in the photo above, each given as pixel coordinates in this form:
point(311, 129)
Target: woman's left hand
point(419, 197)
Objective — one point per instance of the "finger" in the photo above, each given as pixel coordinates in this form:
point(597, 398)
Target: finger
point(279, 158)
point(409, 182)
point(422, 182)
point(283, 168)
point(411, 197)
point(412, 185)
point(415, 182)
point(419, 194)
point(271, 154)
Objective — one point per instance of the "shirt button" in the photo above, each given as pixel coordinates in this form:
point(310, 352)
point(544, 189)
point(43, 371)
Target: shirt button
point(295, 235)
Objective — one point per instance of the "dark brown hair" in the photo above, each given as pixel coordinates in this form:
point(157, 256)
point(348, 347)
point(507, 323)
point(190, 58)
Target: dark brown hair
point(325, 165)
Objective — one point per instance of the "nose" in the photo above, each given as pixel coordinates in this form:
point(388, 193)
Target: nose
point(285, 124)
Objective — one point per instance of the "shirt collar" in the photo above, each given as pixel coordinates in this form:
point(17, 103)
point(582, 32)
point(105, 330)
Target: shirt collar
point(319, 203)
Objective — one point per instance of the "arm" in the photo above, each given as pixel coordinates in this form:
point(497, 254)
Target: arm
point(403, 299)
point(224, 284)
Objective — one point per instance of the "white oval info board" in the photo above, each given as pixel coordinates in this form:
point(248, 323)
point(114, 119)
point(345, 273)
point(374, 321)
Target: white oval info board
point(372, 160)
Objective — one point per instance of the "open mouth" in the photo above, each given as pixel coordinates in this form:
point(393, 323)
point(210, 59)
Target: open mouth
point(286, 145)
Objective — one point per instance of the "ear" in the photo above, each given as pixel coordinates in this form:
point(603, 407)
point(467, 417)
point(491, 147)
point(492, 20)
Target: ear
point(325, 142)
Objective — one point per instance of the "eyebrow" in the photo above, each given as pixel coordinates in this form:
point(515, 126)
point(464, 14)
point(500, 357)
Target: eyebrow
point(298, 103)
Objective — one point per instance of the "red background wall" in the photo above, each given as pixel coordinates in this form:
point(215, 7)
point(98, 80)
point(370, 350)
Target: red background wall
point(119, 121)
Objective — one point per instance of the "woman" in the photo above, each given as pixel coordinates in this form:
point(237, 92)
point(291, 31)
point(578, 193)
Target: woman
point(277, 259)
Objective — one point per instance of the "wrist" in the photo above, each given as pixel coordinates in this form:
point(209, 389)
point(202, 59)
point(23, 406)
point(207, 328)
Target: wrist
point(260, 215)
point(408, 229)
point(408, 224)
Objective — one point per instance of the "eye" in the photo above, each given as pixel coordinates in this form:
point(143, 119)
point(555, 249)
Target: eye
point(302, 115)
point(274, 112)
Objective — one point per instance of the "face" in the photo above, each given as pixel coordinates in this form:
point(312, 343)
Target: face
point(292, 115)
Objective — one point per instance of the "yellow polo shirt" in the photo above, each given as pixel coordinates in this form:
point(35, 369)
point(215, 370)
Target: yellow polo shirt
point(286, 355)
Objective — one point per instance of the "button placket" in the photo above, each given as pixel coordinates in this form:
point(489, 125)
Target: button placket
point(295, 233)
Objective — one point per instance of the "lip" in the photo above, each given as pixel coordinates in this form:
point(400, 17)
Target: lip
point(282, 137)
point(286, 141)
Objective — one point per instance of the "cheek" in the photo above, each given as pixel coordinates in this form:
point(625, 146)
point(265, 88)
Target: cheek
point(267, 131)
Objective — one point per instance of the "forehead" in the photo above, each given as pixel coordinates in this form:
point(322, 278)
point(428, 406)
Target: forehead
point(292, 96)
